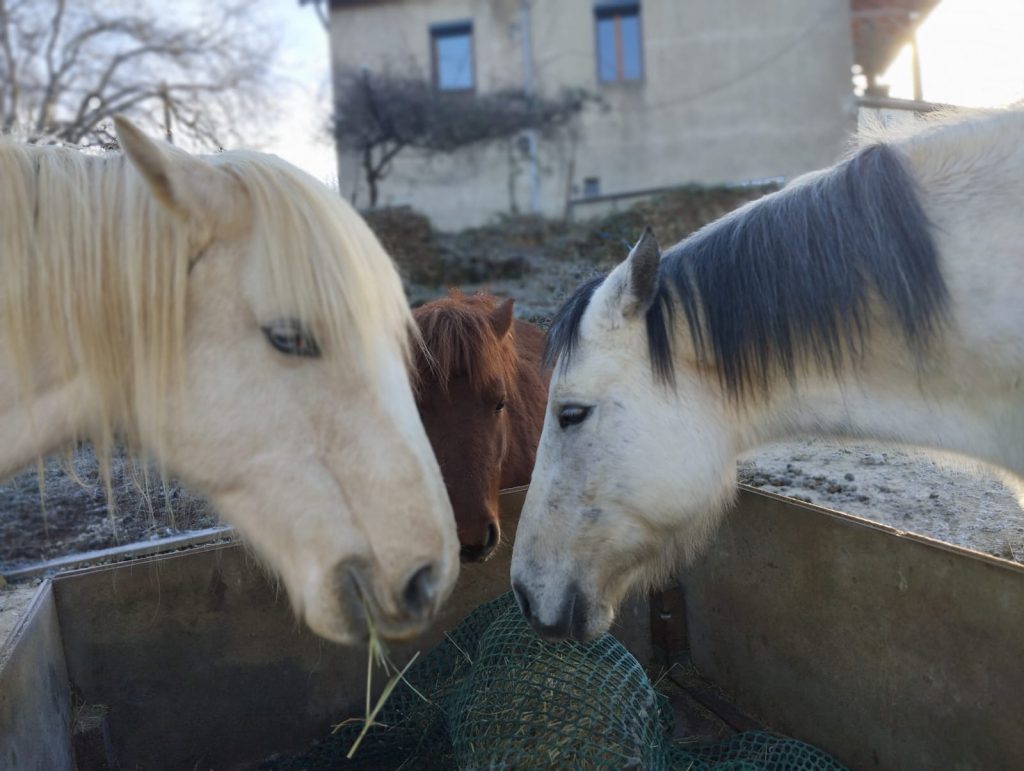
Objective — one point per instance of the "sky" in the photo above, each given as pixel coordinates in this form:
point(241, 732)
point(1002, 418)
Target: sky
point(299, 135)
point(972, 54)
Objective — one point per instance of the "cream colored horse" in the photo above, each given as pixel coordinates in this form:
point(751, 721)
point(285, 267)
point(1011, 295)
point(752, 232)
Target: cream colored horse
point(236, 321)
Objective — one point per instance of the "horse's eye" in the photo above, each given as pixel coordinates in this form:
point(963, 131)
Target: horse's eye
point(499, 406)
point(572, 415)
point(291, 338)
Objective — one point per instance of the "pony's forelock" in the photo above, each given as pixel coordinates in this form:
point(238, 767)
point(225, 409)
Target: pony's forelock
point(459, 341)
point(564, 334)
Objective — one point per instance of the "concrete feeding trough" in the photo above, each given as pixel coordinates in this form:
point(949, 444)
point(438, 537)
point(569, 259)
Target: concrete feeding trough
point(884, 649)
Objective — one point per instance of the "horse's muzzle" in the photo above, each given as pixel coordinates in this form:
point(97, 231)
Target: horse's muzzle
point(407, 611)
point(568, 622)
point(483, 552)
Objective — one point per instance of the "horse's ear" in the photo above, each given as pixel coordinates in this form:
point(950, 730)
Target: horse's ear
point(501, 318)
point(188, 186)
point(639, 275)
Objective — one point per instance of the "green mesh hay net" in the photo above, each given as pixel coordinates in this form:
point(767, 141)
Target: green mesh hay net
point(493, 695)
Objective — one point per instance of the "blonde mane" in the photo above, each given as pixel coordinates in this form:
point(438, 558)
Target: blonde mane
point(319, 259)
point(95, 277)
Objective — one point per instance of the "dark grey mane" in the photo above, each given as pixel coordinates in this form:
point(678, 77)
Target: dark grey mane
point(789, 280)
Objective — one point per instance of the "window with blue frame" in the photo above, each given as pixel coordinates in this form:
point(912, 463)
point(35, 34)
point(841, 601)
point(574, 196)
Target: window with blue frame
point(452, 46)
point(619, 50)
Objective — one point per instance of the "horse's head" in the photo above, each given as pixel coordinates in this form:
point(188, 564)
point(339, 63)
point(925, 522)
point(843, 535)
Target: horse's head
point(293, 411)
point(466, 376)
point(630, 469)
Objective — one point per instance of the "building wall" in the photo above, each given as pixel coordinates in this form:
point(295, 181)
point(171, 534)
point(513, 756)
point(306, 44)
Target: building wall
point(733, 90)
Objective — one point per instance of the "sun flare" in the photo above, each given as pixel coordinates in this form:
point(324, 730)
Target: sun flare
point(970, 52)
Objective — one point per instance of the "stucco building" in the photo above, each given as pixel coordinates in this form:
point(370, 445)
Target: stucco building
point(692, 91)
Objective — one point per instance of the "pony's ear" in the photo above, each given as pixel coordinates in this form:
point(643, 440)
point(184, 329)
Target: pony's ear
point(501, 318)
point(189, 186)
point(638, 276)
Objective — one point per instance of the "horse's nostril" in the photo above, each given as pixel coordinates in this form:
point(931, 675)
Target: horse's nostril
point(420, 591)
point(349, 582)
point(478, 552)
point(493, 536)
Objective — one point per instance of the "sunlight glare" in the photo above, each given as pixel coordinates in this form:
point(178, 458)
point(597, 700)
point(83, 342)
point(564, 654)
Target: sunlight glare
point(971, 55)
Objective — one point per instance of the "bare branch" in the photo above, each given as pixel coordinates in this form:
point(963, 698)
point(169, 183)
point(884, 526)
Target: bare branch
point(55, 30)
point(52, 79)
point(321, 11)
point(378, 115)
point(65, 68)
point(118, 61)
point(12, 89)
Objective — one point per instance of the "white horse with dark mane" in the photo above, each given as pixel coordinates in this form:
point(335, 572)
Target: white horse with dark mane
point(879, 299)
point(236, 321)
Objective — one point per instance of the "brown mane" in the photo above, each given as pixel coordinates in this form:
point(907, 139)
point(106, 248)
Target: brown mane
point(459, 341)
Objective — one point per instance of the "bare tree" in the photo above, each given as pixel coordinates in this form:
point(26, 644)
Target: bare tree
point(377, 116)
point(66, 67)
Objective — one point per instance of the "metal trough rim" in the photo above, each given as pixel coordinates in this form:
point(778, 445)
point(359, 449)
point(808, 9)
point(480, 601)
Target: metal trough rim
point(193, 538)
point(122, 553)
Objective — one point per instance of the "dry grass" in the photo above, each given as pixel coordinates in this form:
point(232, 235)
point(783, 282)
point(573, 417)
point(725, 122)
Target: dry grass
point(377, 656)
point(72, 514)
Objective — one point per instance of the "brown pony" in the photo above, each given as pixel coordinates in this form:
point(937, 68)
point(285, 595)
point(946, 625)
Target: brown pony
point(482, 399)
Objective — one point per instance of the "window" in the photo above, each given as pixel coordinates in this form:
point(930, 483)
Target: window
point(591, 187)
point(619, 55)
point(452, 46)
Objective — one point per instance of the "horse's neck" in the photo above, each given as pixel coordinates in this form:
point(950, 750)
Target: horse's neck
point(968, 396)
point(900, 406)
point(35, 425)
point(527, 414)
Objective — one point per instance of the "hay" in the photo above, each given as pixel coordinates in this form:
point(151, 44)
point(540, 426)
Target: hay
point(494, 695)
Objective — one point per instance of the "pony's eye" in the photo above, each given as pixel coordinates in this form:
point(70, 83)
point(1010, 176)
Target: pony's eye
point(499, 406)
point(572, 415)
point(291, 338)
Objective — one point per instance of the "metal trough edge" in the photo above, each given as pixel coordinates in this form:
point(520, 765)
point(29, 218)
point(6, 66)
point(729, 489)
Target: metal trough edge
point(870, 524)
point(126, 552)
point(511, 500)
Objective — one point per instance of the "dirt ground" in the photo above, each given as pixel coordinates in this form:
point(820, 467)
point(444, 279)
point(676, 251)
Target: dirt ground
point(904, 489)
point(539, 263)
point(72, 515)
